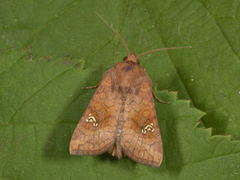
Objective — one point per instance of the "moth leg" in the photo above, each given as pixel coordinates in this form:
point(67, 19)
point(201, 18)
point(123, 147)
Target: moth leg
point(159, 100)
point(90, 87)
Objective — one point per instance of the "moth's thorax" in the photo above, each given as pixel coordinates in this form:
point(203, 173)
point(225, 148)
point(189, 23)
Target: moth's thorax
point(128, 71)
point(127, 77)
point(131, 58)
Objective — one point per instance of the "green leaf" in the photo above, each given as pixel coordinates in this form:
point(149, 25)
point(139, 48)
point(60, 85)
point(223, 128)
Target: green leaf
point(50, 49)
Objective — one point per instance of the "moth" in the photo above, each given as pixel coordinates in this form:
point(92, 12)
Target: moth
point(121, 117)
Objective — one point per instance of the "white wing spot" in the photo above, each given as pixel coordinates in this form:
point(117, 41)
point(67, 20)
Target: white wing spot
point(91, 119)
point(148, 128)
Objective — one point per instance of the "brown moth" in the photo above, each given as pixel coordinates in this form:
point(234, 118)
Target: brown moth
point(121, 117)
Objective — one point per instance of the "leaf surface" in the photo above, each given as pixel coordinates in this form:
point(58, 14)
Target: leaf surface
point(50, 49)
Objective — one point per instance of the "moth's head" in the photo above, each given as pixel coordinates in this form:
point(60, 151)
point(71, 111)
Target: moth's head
point(131, 58)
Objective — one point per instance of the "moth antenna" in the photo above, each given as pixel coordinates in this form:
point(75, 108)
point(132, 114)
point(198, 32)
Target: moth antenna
point(124, 43)
point(160, 49)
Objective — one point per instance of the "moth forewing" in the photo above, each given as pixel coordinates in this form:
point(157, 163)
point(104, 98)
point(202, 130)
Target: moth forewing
point(95, 132)
point(141, 139)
